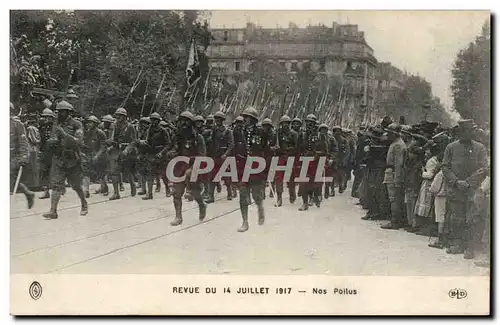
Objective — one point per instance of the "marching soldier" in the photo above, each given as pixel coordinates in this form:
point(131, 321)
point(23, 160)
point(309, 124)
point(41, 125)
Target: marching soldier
point(286, 146)
point(270, 136)
point(358, 158)
point(296, 126)
point(208, 136)
point(349, 158)
point(239, 146)
point(311, 143)
point(142, 134)
point(223, 145)
point(65, 142)
point(156, 141)
point(19, 154)
point(187, 142)
point(93, 148)
point(330, 169)
point(121, 152)
point(249, 141)
point(343, 154)
point(46, 125)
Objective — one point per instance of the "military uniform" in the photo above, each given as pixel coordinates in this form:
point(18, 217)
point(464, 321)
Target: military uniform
point(93, 160)
point(343, 157)
point(122, 153)
point(157, 140)
point(312, 143)
point(222, 146)
point(19, 155)
point(331, 168)
point(66, 141)
point(286, 146)
point(142, 133)
point(45, 157)
point(358, 165)
point(188, 143)
point(250, 141)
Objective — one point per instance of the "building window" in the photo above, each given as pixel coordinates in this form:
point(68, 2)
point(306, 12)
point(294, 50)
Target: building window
point(225, 36)
point(236, 66)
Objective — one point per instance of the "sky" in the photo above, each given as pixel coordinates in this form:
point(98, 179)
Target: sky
point(421, 42)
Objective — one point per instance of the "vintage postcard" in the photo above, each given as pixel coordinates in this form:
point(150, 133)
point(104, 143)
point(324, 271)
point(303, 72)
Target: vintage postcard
point(197, 162)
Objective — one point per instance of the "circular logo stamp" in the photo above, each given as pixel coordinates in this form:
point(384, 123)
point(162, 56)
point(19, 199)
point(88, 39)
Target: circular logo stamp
point(35, 290)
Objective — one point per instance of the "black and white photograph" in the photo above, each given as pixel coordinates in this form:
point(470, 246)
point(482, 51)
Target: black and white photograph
point(239, 144)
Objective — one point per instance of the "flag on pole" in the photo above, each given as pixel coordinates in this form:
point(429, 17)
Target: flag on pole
point(193, 74)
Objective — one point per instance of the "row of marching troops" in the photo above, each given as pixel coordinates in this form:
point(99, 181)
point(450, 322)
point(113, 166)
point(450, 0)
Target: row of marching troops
point(429, 181)
point(78, 152)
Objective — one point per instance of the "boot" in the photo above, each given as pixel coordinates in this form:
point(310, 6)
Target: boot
point(81, 194)
point(280, 199)
point(310, 199)
point(158, 186)
point(105, 189)
point(168, 192)
point(439, 243)
point(305, 205)
point(178, 212)
point(122, 188)
point(85, 208)
point(86, 186)
point(332, 192)
point(229, 193)
point(235, 192)
point(142, 181)
point(260, 210)
point(327, 191)
point(271, 193)
point(30, 196)
point(291, 193)
point(54, 201)
point(46, 193)
point(210, 196)
point(116, 194)
point(219, 187)
point(317, 198)
point(244, 216)
point(202, 207)
point(133, 189)
point(149, 192)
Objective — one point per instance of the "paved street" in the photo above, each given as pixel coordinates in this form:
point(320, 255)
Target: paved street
point(135, 236)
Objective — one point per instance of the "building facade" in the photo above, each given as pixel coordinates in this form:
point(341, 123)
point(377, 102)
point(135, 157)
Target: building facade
point(336, 51)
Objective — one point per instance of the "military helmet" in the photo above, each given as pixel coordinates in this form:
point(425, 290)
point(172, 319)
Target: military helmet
point(362, 126)
point(259, 124)
point(187, 115)
point(394, 128)
point(323, 126)
point(239, 119)
point(71, 94)
point(336, 128)
point(220, 114)
point(199, 118)
point(108, 118)
point(252, 112)
point(64, 106)
point(47, 103)
point(285, 118)
point(298, 120)
point(121, 111)
point(311, 118)
point(155, 115)
point(267, 121)
point(48, 112)
point(163, 123)
point(92, 118)
point(145, 120)
point(210, 117)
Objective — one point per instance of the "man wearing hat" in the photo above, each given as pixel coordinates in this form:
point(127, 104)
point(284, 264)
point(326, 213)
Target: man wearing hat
point(222, 147)
point(93, 148)
point(312, 144)
point(188, 143)
point(65, 142)
point(464, 167)
point(285, 146)
point(394, 176)
point(250, 141)
point(19, 154)
point(154, 145)
point(142, 134)
point(330, 169)
point(343, 154)
point(45, 158)
point(122, 157)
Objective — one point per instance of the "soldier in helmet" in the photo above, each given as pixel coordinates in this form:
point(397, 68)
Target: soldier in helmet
point(207, 134)
point(343, 154)
point(188, 143)
point(108, 126)
point(121, 153)
point(65, 142)
point(358, 160)
point(249, 141)
point(223, 145)
point(312, 143)
point(296, 126)
point(284, 147)
point(46, 124)
point(19, 152)
point(270, 136)
point(331, 166)
point(93, 148)
point(157, 140)
point(142, 133)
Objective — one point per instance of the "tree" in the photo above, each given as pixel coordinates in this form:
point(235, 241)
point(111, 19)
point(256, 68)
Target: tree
point(471, 79)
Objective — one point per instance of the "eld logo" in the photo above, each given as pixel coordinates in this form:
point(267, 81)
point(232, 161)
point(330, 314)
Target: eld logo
point(457, 293)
